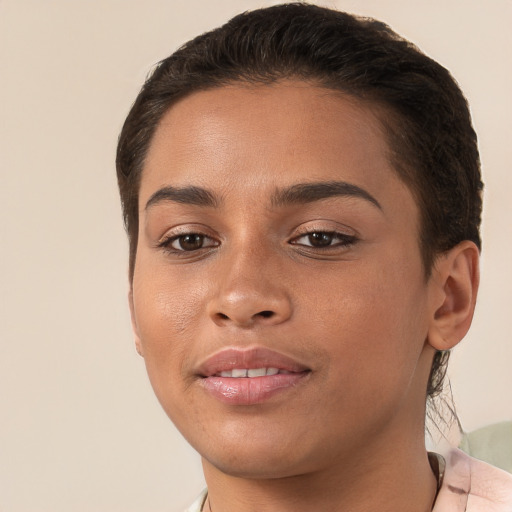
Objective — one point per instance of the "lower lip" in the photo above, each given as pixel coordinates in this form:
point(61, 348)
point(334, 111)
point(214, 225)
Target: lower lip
point(250, 391)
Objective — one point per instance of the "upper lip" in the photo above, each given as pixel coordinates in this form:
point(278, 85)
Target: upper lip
point(257, 357)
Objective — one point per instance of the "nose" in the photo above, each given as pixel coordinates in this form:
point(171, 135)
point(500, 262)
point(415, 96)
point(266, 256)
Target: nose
point(250, 290)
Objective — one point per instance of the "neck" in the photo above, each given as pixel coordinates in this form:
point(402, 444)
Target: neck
point(382, 476)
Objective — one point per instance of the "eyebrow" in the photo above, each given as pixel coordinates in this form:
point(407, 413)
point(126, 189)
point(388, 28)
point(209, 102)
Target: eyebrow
point(303, 193)
point(187, 195)
point(300, 193)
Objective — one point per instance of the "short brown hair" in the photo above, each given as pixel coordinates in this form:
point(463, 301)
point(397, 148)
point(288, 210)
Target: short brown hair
point(426, 117)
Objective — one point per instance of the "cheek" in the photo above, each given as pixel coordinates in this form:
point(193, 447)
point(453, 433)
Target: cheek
point(167, 315)
point(166, 303)
point(372, 323)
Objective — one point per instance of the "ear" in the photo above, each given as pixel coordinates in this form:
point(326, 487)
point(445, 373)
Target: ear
point(454, 286)
point(135, 329)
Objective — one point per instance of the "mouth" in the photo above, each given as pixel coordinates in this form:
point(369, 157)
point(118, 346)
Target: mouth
point(249, 377)
point(241, 373)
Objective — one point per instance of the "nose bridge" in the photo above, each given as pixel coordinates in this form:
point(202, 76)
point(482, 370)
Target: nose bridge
point(250, 287)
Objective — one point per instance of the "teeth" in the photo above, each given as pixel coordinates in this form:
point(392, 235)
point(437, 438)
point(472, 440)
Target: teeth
point(238, 373)
point(257, 372)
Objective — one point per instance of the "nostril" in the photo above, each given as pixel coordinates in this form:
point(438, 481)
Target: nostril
point(244, 318)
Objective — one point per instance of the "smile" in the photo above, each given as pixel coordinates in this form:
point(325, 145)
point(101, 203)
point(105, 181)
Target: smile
point(238, 373)
point(250, 377)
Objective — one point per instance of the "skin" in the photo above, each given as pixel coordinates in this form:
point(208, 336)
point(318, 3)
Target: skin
point(361, 316)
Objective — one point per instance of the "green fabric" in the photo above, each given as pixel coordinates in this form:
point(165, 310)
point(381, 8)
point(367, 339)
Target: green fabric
point(492, 444)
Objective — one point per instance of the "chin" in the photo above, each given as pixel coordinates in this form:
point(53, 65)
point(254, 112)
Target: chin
point(265, 454)
point(262, 467)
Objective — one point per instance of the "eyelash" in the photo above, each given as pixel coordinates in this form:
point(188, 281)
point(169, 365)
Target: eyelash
point(168, 241)
point(342, 241)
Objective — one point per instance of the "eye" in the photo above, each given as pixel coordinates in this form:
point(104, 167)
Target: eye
point(188, 242)
point(324, 239)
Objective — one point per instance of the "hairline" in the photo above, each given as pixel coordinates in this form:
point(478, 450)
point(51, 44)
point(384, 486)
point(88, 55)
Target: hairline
point(386, 116)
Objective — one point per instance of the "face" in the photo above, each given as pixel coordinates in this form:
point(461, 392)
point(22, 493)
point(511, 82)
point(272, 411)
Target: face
point(279, 298)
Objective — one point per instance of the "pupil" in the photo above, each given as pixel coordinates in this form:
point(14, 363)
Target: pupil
point(191, 242)
point(320, 239)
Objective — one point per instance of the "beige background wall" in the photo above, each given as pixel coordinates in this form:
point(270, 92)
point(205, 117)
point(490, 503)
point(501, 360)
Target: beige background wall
point(80, 429)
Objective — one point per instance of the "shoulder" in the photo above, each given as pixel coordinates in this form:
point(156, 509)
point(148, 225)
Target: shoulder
point(473, 486)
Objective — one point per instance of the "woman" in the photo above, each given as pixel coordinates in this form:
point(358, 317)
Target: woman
point(302, 194)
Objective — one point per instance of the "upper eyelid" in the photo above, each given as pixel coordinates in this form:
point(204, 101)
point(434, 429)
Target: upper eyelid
point(327, 231)
point(340, 236)
point(166, 242)
point(213, 242)
point(338, 229)
point(312, 226)
point(169, 238)
point(178, 231)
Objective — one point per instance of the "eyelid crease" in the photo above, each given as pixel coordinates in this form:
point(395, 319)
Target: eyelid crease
point(344, 240)
point(186, 229)
point(171, 237)
point(324, 226)
point(166, 244)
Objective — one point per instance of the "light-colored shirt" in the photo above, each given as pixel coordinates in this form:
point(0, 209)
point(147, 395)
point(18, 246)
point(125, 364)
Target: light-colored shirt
point(468, 485)
point(197, 506)
point(492, 443)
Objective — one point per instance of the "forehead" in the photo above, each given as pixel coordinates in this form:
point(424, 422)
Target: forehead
point(254, 138)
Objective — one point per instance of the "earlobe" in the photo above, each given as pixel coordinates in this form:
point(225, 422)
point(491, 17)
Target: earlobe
point(135, 329)
point(454, 282)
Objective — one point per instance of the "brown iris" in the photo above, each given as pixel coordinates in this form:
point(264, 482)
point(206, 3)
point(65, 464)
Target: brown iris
point(320, 239)
point(190, 242)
